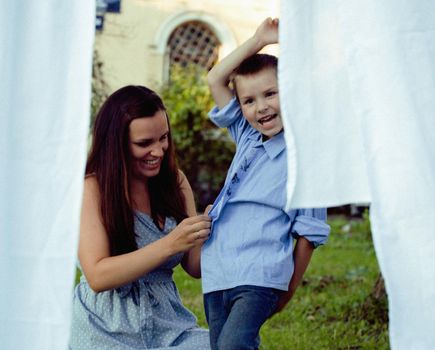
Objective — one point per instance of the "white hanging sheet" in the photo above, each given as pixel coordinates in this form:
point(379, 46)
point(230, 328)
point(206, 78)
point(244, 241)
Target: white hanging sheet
point(357, 87)
point(45, 70)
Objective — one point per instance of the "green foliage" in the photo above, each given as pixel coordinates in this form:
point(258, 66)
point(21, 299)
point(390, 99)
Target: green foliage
point(99, 86)
point(334, 307)
point(204, 151)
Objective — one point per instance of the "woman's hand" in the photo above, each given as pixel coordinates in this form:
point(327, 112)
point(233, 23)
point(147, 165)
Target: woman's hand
point(189, 233)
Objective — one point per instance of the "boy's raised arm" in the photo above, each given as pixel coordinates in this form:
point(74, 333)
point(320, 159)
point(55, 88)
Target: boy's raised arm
point(219, 76)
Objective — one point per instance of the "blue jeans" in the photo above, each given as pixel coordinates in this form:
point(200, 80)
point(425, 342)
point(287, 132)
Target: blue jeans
point(235, 316)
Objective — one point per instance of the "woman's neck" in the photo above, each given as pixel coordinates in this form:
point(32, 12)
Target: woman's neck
point(140, 195)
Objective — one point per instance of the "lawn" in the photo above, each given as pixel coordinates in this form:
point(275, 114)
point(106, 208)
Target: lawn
point(334, 307)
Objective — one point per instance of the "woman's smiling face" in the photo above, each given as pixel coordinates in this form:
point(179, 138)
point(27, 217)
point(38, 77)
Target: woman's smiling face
point(149, 140)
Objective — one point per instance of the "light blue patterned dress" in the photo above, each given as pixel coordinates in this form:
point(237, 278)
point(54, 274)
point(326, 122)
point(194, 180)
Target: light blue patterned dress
point(145, 314)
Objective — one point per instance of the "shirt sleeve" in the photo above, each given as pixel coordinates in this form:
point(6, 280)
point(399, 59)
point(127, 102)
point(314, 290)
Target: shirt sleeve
point(230, 117)
point(311, 224)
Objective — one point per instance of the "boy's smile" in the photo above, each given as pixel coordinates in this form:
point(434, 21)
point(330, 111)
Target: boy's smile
point(259, 101)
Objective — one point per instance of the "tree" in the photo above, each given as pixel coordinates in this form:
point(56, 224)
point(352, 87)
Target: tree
point(204, 151)
point(99, 86)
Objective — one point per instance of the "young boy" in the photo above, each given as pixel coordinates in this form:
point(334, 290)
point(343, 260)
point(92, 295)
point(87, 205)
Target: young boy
point(250, 269)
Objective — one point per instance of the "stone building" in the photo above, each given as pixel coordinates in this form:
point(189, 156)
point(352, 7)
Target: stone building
point(137, 42)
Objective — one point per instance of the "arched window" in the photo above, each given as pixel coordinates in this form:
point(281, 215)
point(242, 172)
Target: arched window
point(193, 43)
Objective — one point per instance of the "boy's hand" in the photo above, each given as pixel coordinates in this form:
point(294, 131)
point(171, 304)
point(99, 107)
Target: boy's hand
point(283, 301)
point(267, 32)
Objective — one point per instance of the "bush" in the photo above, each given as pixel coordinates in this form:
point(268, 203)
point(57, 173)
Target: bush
point(99, 86)
point(203, 150)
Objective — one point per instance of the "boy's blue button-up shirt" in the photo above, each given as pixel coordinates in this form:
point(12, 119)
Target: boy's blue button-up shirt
point(251, 242)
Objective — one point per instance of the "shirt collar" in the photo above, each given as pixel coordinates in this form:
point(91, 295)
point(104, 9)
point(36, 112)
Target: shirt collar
point(273, 146)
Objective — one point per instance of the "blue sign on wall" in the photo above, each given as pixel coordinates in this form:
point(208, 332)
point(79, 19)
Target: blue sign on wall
point(113, 5)
point(99, 22)
point(104, 6)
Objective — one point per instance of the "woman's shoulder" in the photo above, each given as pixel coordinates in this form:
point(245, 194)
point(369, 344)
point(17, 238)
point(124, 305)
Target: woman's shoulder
point(91, 180)
point(91, 186)
point(181, 176)
point(182, 180)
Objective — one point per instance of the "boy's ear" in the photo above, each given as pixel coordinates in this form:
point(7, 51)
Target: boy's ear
point(232, 83)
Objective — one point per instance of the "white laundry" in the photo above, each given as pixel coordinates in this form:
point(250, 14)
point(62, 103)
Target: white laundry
point(357, 87)
point(45, 69)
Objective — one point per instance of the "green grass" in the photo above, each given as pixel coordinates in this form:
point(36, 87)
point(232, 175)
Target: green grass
point(333, 308)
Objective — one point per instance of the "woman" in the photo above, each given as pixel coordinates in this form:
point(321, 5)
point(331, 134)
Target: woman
point(138, 222)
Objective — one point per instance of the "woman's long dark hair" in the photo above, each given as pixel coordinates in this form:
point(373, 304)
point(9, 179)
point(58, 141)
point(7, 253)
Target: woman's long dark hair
point(109, 160)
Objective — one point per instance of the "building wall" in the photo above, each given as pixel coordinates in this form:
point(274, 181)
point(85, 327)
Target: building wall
point(132, 44)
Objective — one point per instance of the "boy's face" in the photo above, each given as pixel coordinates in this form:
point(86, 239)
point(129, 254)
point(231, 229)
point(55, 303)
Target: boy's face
point(259, 100)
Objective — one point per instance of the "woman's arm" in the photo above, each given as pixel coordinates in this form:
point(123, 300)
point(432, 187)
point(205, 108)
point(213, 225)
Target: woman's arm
point(105, 272)
point(192, 259)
